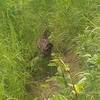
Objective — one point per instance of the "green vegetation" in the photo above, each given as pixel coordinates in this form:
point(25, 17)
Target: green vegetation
point(71, 72)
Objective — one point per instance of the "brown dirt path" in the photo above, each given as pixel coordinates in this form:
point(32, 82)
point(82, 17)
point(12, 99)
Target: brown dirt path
point(74, 62)
point(46, 89)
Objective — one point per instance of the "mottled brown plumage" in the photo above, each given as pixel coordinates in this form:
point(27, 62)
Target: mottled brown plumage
point(44, 45)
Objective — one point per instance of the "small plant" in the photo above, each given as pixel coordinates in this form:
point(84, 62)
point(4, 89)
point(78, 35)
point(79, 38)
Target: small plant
point(87, 84)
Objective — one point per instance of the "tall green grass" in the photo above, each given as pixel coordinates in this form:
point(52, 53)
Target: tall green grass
point(72, 23)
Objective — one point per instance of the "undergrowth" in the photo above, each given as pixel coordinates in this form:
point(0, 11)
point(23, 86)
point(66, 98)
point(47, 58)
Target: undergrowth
point(74, 25)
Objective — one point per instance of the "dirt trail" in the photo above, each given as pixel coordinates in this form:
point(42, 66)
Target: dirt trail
point(74, 62)
point(48, 88)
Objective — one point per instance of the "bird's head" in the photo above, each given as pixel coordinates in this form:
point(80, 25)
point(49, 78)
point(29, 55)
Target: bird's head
point(46, 33)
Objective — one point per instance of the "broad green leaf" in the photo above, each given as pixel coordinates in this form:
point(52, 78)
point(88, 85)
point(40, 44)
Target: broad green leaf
point(80, 86)
point(58, 97)
point(51, 64)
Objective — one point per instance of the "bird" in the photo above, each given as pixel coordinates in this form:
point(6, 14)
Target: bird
point(44, 45)
point(41, 61)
